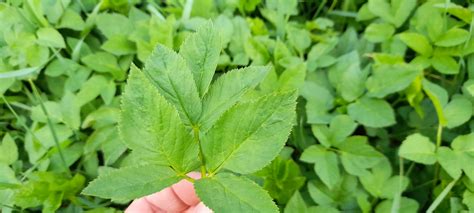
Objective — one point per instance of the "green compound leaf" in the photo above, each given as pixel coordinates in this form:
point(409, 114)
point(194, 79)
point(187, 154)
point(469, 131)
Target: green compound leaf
point(201, 51)
point(132, 182)
point(380, 8)
point(326, 164)
point(347, 77)
point(111, 24)
point(417, 42)
point(8, 150)
point(372, 112)
point(296, 204)
point(407, 205)
point(395, 12)
point(376, 32)
point(438, 96)
point(452, 37)
point(105, 63)
point(72, 20)
point(319, 102)
point(151, 127)
point(50, 37)
point(229, 193)
point(170, 74)
point(282, 178)
point(250, 134)
point(450, 161)
point(119, 45)
point(387, 79)
point(323, 134)
point(227, 90)
point(341, 126)
point(379, 182)
point(418, 148)
point(457, 112)
point(292, 78)
point(445, 64)
point(300, 39)
point(463, 146)
point(464, 143)
point(43, 187)
point(90, 89)
point(402, 10)
point(357, 155)
point(53, 202)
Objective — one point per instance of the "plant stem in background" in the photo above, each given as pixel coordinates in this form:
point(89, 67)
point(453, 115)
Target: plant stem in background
point(51, 127)
point(152, 9)
point(187, 10)
point(441, 196)
point(398, 195)
point(439, 134)
point(28, 130)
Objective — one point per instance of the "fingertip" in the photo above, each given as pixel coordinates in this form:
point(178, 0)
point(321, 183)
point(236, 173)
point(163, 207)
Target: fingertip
point(189, 210)
point(185, 190)
point(167, 200)
point(139, 206)
point(201, 208)
point(194, 175)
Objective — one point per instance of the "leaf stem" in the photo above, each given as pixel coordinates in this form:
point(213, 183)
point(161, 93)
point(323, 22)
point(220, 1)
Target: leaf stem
point(22, 123)
point(439, 134)
point(155, 12)
point(21, 105)
point(28, 130)
point(398, 195)
point(187, 10)
point(441, 196)
point(37, 17)
point(410, 168)
point(333, 5)
point(420, 186)
point(51, 127)
point(188, 178)
point(319, 8)
point(10, 207)
point(201, 153)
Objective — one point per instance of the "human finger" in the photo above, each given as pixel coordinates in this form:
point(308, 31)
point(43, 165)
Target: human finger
point(141, 206)
point(199, 208)
point(167, 200)
point(185, 190)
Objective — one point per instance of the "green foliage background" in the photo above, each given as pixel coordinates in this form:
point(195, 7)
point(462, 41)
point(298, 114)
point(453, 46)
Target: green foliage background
point(383, 117)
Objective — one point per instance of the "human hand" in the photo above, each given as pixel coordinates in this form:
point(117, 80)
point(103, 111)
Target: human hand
point(180, 197)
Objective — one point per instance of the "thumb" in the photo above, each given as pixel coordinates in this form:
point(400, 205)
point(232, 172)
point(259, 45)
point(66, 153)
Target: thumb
point(185, 190)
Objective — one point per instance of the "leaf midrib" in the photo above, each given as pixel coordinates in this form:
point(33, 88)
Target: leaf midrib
point(244, 141)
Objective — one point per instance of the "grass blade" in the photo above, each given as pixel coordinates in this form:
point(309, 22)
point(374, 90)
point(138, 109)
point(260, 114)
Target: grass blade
point(441, 196)
point(50, 124)
point(19, 73)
